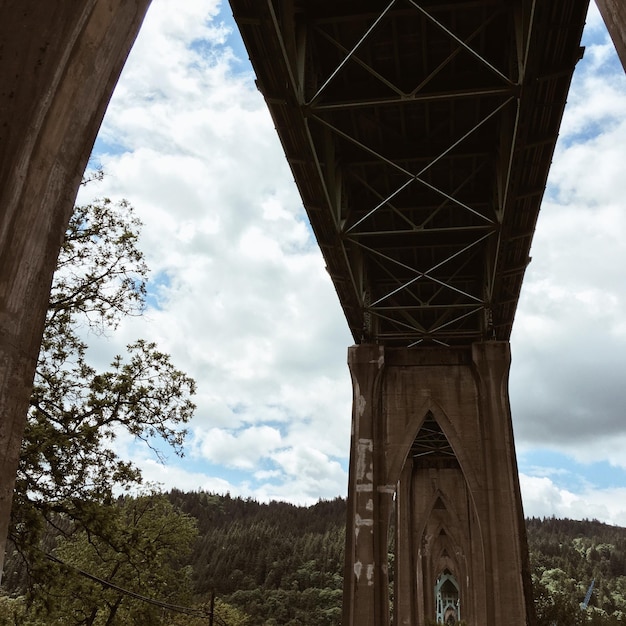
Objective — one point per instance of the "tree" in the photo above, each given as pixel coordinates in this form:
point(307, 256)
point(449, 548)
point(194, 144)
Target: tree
point(142, 554)
point(69, 467)
point(223, 615)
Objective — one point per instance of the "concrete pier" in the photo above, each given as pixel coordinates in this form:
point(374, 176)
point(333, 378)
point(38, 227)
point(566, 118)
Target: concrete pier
point(60, 63)
point(433, 473)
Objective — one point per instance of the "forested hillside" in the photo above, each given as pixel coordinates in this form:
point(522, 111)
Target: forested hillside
point(282, 564)
point(566, 556)
point(278, 564)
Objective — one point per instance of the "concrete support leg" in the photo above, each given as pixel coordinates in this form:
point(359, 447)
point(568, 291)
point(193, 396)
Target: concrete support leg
point(614, 15)
point(499, 502)
point(434, 426)
point(60, 63)
point(366, 597)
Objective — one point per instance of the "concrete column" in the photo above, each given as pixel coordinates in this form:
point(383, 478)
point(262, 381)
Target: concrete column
point(60, 63)
point(366, 598)
point(436, 428)
point(614, 15)
point(502, 501)
point(407, 607)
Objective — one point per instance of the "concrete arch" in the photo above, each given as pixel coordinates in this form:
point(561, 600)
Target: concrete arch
point(443, 527)
point(456, 563)
point(411, 431)
point(439, 495)
point(56, 84)
point(465, 394)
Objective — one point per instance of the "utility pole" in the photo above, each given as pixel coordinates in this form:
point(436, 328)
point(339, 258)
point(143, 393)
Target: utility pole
point(212, 610)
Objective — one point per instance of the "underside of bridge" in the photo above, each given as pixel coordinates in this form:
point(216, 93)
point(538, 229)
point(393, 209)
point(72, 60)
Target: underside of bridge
point(420, 134)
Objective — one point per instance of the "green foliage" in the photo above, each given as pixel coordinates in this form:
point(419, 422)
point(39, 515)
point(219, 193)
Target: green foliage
point(100, 274)
point(76, 411)
point(566, 556)
point(92, 578)
point(230, 615)
point(13, 611)
point(69, 468)
point(278, 563)
point(68, 456)
point(283, 564)
point(143, 552)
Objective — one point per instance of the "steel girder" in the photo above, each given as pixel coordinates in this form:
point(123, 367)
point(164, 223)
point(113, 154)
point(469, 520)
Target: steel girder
point(420, 134)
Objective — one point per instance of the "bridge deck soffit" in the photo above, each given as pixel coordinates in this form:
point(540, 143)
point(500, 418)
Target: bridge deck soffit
point(420, 135)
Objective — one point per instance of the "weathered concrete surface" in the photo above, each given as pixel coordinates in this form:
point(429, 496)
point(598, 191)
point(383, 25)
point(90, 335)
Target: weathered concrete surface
point(59, 63)
point(433, 427)
point(365, 594)
point(614, 15)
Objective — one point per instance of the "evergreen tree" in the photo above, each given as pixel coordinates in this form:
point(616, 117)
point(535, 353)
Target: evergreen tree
point(69, 468)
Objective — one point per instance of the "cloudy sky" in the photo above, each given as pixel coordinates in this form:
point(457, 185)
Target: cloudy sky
point(239, 295)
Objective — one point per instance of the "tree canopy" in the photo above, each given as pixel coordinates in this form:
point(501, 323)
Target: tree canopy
point(127, 575)
point(70, 472)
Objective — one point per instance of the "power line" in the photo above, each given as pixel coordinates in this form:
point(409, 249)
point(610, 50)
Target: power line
point(133, 594)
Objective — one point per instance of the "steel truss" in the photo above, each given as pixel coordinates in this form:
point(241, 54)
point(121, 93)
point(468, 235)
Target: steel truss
point(404, 121)
point(411, 296)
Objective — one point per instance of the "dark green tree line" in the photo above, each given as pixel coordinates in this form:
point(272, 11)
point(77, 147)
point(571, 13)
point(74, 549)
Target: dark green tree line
point(285, 563)
point(279, 563)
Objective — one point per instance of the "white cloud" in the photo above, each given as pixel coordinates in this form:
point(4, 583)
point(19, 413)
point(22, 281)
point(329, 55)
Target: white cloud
point(168, 476)
point(314, 474)
point(242, 450)
point(542, 498)
point(569, 338)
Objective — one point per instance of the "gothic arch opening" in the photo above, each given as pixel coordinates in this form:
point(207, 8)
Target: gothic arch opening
point(447, 599)
point(435, 514)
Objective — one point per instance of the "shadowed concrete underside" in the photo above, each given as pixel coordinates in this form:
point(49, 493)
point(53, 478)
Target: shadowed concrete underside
point(59, 64)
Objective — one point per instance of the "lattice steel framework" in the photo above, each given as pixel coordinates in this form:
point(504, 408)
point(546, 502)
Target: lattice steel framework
point(431, 447)
point(420, 134)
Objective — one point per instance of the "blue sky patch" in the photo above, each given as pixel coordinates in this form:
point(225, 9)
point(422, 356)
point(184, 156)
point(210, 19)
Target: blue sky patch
point(103, 146)
point(234, 40)
point(155, 287)
point(567, 473)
